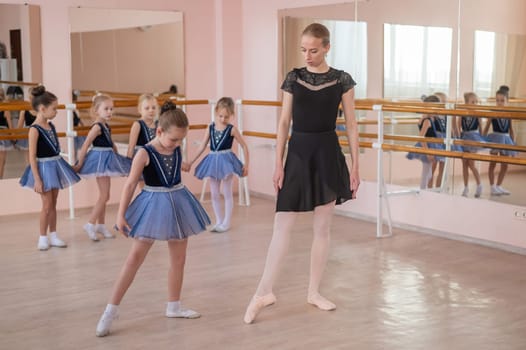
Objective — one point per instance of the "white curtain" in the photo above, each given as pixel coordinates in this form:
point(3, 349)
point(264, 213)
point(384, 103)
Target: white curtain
point(349, 51)
point(417, 60)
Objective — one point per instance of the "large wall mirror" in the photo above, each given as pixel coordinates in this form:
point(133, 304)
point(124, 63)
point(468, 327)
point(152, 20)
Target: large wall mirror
point(126, 50)
point(452, 49)
point(20, 61)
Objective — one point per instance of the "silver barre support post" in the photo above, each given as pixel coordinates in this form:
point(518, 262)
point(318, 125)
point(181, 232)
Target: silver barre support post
point(70, 135)
point(380, 184)
point(243, 192)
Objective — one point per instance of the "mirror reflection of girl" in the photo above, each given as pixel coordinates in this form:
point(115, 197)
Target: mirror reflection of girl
point(502, 133)
point(47, 172)
point(471, 130)
point(441, 129)
point(101, 161)
point(164, 211)
point(25, 120)
point(143, 130)
point(427, 129)
point(77, 121)
point(221, 163)
point(5, 145)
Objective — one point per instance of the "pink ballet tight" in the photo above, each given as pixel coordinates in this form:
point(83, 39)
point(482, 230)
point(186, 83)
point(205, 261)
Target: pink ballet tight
point(279, 245)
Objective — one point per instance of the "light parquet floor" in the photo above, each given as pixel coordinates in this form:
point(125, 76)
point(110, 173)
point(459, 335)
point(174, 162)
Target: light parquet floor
point(411, 291)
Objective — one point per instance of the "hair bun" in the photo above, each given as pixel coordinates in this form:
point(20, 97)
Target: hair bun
point(38, 90)
point(168, 106)
point(432, 98)
point(504, 88)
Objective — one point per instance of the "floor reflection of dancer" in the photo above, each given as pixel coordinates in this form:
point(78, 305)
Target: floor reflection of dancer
point(315, 176)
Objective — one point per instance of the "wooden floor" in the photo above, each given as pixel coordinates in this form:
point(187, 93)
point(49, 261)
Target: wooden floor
point(411, 291)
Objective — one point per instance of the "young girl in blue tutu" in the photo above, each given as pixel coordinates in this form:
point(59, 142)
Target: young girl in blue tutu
point(471, 131)
point(47, 171)
point(427, 129)
point(143, 130)
point(502, 133)
point(221, 163)
point(164, 210)
point(101, 161)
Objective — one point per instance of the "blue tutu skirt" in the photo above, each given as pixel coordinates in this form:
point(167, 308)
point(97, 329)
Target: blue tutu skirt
point(6, 145)
point(472, 136)
point(79, 141)
point(22, 144)
point(454, 148)
point(55, 173)
point(102, 161)
point(219, 165)
point(161, 213)
point(505, 139)
point(423, 157)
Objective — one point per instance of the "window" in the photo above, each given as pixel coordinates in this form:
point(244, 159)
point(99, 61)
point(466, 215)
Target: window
point(417, 60)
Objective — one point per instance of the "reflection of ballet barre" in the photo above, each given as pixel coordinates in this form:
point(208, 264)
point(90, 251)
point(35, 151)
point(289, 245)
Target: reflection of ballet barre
point(441, 140)
point(401, 148)
point(20, 83)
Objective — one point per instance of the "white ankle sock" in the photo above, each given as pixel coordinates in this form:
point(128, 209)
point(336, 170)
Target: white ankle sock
point(173, 305)
point(111, 309)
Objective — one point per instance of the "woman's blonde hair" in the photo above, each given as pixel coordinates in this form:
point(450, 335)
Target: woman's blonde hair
point(318, 31)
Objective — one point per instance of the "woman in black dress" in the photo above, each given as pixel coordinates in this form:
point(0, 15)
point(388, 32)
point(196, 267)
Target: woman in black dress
point(315, 176)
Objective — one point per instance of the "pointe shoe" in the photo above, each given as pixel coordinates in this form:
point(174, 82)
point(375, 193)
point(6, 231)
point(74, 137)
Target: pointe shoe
point(257, 303)
point(322, 303)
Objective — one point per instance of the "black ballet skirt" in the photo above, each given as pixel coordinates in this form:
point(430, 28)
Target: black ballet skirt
point(315, 168)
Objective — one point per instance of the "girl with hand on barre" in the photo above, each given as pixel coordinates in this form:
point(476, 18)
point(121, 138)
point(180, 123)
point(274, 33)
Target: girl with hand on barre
point(221, 163)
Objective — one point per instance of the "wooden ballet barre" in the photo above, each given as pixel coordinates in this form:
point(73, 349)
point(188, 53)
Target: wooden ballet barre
point(15, 106)
point(441, 140)
point(20, 83)
point(261, 103)
point(386, 121)
point(259, 134)
point(401, 138)
point(452, 112)
point(449, 154)
point(113, 94)
point(489, 145)
point(520, 110)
